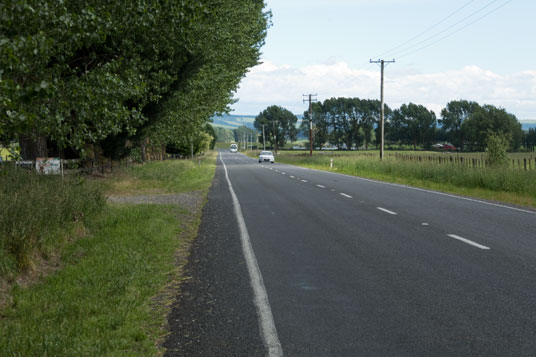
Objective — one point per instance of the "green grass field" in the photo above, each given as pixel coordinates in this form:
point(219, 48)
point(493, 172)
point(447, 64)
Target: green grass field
point(111, 292)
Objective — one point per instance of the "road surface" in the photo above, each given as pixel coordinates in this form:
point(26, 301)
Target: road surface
point(352, 267)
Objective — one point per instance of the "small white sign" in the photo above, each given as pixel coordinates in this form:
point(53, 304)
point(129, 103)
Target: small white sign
point(48, 165)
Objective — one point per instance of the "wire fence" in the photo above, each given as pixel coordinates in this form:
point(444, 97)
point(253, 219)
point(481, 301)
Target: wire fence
point(520, 163)
point(63, 167)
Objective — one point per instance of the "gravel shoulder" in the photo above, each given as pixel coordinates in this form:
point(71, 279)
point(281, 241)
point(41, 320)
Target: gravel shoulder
point(214, 315)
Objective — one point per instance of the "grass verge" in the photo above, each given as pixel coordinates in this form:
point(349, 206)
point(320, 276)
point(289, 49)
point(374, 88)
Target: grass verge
point(173, 176)
point(113, 294)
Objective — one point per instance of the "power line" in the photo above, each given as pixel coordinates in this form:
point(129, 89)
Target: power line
point(435, 35)
point(454, 32)
point(428, 29)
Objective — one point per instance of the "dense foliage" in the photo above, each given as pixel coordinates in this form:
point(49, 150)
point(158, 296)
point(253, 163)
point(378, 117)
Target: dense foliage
point(279, 126)
point(353, 122)
point(112, 73)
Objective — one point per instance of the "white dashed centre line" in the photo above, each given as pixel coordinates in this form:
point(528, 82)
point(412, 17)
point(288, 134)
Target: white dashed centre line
point(386, 210)
point(320, 186)
point(283, 173)
point(467, 241)
point(345, 195)
point(292, 176)
point(303, 180)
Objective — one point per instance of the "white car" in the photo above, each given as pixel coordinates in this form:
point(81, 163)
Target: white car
point(266, 156)
point(233, 148)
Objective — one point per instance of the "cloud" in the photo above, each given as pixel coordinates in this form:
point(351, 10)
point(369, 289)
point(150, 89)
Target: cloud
point(271, 84)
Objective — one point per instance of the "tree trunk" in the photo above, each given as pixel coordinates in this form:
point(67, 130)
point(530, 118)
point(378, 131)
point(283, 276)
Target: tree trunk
point(143, 151)
point(33, 146)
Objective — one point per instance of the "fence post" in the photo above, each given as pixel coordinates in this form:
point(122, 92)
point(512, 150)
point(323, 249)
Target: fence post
point(525, 164)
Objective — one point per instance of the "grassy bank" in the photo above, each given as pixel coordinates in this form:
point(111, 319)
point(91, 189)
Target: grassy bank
point(506, 184)
point(37, 213)
point(109, 297)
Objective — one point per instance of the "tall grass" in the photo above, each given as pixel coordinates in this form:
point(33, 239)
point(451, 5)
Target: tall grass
point(113, 293)
point(34, 209)
point(170, 176)
point(100, 303)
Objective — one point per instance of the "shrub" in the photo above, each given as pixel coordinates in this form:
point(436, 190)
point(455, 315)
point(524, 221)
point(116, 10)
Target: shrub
point(496, 146)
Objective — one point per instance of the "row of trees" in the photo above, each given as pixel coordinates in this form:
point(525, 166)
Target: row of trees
point(240, 134)
point(353, 122)
point(113, 75)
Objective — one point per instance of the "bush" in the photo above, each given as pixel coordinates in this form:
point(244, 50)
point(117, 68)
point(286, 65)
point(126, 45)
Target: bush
point(496, 146)
point(34, 209)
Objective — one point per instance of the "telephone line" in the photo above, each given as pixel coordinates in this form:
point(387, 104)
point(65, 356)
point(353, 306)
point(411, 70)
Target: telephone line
point(397, 53)
point(428, 29)
point(454, 32)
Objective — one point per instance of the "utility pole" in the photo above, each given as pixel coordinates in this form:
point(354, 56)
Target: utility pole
point(263, 138)
point(382, 62)
point(311, 100)
point(275, 137)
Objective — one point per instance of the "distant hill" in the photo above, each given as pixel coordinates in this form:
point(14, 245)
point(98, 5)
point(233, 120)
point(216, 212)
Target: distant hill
point(235, 121)
point(527, 124)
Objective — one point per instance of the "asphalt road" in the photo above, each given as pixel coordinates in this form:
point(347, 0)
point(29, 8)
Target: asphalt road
point(358, 267)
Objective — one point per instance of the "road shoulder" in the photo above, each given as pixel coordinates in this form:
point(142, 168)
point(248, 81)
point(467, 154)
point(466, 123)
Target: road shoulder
point(214, 312)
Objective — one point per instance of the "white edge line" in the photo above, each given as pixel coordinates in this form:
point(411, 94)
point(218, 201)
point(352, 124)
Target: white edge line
point(470, 242)
point(386, 210)
point(264, 311)
point(425, 190)
point(345, 195)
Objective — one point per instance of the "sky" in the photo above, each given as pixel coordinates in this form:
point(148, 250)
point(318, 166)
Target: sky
point(478, 50)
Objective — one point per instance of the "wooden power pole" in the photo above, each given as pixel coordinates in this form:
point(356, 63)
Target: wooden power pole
point(311, 100)
point(382, 63)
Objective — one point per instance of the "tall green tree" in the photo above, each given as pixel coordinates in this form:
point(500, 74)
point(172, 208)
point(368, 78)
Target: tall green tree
point(279, 125)
point(224, 135)
point(530, 139)
point(370, 117)
point(415, 124)
point(453, 117)
point(319, 123)
point(73, 73)
point(244, 133)
point(490, 119)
